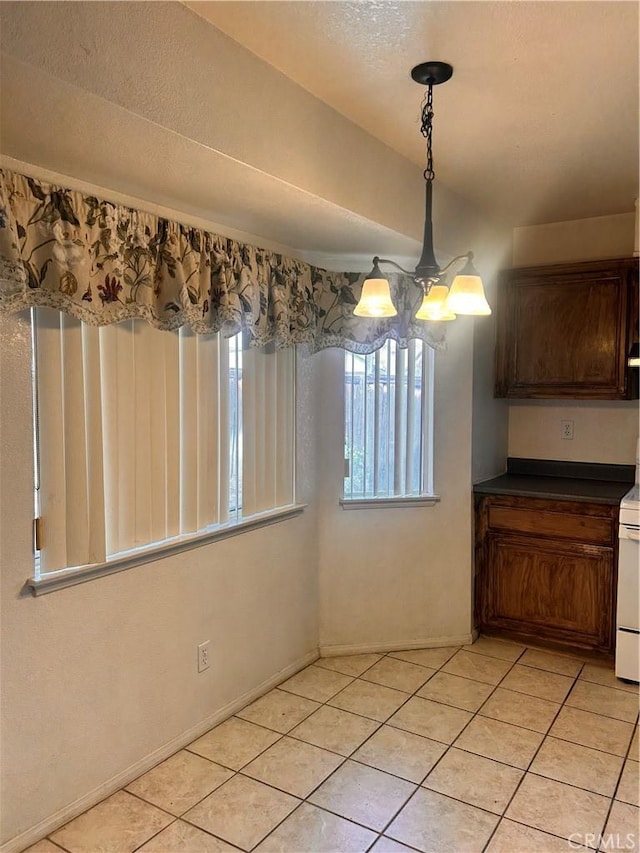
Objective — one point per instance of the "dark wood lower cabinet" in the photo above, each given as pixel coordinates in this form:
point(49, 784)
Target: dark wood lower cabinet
point(551, 582)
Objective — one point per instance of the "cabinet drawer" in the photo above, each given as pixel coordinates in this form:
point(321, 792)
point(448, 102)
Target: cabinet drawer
point(581, 528)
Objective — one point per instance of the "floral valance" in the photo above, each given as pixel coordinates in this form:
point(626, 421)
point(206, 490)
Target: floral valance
point(104, 262)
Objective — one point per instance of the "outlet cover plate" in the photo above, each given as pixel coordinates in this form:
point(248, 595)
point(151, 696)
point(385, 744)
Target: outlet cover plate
point(203, 656)
point(566, 430)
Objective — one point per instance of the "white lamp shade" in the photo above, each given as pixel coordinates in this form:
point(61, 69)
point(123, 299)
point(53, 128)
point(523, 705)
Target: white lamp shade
point(434, 306)
point(467, 296)
point(375, 299)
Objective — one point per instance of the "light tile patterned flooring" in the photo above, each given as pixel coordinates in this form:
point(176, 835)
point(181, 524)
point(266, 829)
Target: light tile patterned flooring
point(490, 747)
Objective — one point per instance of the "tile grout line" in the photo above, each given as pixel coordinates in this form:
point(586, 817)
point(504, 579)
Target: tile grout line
point(527, 769)
point(342, 763)
point(348, 757)
point(585, 746)
point(345, 759)
point(180, 817)
point(380, 724)
point(617, 786)
point(451, 745)
point(282, 735)
point(155, 835)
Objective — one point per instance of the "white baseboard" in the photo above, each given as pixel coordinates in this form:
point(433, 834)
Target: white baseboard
point(400, 645)
point(55, 821)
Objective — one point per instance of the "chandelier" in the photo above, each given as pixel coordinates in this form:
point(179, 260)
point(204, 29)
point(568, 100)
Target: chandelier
point(440, 303)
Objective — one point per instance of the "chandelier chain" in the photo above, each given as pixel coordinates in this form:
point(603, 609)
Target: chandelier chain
point(426, 129)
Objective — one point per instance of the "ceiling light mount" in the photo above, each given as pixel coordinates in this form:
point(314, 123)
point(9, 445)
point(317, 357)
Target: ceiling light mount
point(466, 291)
point(432, 73)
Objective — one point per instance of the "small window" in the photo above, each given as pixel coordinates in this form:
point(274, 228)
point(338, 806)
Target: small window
point(389, 422)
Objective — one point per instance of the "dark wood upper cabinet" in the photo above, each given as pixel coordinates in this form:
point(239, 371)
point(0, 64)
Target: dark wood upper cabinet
point(565, 331)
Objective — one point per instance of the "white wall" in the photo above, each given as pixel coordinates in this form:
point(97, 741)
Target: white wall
point(603, 431)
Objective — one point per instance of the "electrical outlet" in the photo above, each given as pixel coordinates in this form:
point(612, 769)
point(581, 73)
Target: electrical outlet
point(203, 656)
point(566, 430)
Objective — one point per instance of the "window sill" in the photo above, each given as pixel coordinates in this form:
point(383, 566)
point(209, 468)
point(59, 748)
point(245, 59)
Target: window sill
point(389, 503)
point(81, 574)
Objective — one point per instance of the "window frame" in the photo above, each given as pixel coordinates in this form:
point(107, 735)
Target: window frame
point(427, 495)
point(58, 578)
point(63, 578)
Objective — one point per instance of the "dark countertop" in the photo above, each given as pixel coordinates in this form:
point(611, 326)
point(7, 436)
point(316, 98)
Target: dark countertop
point(569, 481)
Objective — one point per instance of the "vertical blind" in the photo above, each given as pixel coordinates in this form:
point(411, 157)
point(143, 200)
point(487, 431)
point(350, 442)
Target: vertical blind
point(145, 435)
point(267, 401)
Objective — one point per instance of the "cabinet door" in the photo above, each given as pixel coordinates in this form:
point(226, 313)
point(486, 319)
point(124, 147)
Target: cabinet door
point(549, 589)
point(562, 332)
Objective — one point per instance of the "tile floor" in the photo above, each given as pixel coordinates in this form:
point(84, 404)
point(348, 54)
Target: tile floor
point(490, 747)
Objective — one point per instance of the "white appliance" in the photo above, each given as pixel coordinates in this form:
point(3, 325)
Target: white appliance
point(628, 612)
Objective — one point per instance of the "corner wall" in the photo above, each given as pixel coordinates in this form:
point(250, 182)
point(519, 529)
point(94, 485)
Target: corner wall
point(604, 431)
point(401, 576)
point(398, 576)
point(490, 415)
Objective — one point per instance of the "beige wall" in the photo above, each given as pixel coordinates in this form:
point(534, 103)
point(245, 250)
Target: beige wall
point(235, 141)
point(397, 576)
point(98, 677)
point(489, 416)
point(603, 431)
point(578, 240)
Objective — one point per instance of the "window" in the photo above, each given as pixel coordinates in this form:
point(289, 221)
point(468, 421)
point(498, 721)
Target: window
point(144, 436)
point(389, 423)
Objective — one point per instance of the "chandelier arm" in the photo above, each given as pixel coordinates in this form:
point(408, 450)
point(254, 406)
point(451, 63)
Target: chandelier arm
point(393, 264)
point(468, 256)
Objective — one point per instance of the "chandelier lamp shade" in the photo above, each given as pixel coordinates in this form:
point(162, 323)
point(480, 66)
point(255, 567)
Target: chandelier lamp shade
point(375, 300)
point(440, 303)
point(434, 305)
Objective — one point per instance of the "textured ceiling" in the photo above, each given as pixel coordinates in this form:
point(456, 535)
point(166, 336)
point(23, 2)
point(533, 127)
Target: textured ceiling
point(298, 121)
point(539, 122)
